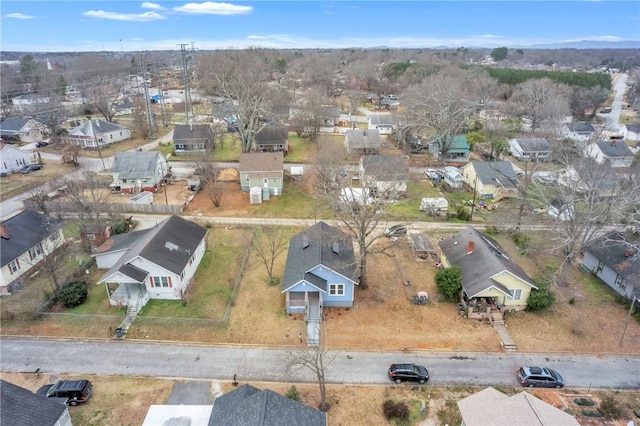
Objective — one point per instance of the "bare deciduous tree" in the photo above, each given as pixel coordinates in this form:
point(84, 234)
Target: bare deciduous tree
point(543, 101)
point(307, 116)
point(103, 94)
point(268, 244)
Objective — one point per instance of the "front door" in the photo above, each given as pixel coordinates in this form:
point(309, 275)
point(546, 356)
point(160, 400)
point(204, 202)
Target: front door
point(265, 182)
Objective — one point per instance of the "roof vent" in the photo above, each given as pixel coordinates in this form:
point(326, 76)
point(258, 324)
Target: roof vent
point(305, 240)
point(169, 245)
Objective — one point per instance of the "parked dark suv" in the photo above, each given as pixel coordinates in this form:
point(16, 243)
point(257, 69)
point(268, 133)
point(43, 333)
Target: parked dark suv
point(408, 372)
point(539, 377)
point(74, 391)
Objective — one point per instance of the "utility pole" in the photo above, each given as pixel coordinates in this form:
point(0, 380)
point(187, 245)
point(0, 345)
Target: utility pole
point(187, 90)
point(147, 102)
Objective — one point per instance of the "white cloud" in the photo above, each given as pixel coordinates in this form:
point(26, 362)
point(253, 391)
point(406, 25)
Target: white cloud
point(19, 16)
point(115, 16)
point(487, 36)
point(213, 8)
point(149, 5)
point(596, 38)
point(256, 37)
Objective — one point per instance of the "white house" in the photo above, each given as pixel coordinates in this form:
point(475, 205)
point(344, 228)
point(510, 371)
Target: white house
point(12, 159)
point(631, 132)
point(384, 123)
point(96, 132)
point(30, 99)
point(530, 149)
point(384, 174)
point(616, 153)
point(138, 171)
point(22, 129)
point(155, 263)
point(578, 131)
point(25, 240)
point(453, 178)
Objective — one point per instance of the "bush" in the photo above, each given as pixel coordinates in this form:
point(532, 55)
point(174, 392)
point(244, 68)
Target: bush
point(584, 402)
point(449, 282)
point(73, 293)
point(542, 297)
point(610, 408)
point(522, 241)
point(395, 410)
point(463, 214)
point(293, 393)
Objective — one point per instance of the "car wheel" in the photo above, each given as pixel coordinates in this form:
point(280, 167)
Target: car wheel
point(531, 385)
point(558, 386)
point(398, 381)
point(423, 381)
point(73, 403)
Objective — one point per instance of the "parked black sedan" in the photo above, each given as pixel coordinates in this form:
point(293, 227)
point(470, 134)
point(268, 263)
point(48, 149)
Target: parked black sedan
point(408, 372)
point(30, 168)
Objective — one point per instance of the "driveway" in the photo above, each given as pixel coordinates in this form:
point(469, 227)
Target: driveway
point(269, 364)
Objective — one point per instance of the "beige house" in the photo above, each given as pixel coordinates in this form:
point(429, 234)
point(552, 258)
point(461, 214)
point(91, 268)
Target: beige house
point(492, 281)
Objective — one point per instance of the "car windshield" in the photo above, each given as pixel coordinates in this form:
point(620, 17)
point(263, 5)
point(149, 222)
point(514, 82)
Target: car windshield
point(554, 375)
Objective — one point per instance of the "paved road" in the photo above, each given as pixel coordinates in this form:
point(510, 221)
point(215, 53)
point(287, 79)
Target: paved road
point(111, 357)
point(613, 118)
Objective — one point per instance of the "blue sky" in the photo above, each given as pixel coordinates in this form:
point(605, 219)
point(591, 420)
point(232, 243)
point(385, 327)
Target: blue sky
point(152, 25)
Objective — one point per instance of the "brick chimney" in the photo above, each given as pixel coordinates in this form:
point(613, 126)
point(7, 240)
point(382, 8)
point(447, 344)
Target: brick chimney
point(470, 246)
point(4, 233)
point(629, 252)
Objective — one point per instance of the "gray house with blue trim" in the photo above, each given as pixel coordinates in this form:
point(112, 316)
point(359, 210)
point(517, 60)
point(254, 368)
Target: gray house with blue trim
point(321, 271)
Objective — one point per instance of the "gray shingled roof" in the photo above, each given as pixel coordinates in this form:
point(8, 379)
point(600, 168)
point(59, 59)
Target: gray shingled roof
point(614, 149)
point(385, 167)
point(362, 139)
point(25, 230)
point(635, 128)
point(533, 144)
point(320, 251)
point(248, 405)
point(486, 259)
point(499, 173)
point(382, 119)
point(21, 407)
point(580, 126)
point(13, 125)
point(170, 244)
point(194, 133)
point(261, 162)
point(611, 249)
point(275, 135)
point(136, 164)
point(95, 127)
point(329, 112)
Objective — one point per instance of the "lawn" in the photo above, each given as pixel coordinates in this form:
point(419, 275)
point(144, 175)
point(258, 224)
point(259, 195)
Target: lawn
point(17, 183)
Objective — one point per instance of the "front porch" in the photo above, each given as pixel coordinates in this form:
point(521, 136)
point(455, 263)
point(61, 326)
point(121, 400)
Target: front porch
point(132, 295)
point(485, 308)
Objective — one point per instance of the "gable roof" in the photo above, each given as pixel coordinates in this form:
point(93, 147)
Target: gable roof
point(533, 144)
point(5, 147)
point(458, 144)
point(224, 110)
point(362, 139)
point(320, 244)
point(192, 132)
point(136, 164)
point(387, 119)
point(486, 259)
point(496, 172)
point(635, 128)
point(95, 127)
point(248, 405)
point(492, 407)
point(24, 231)
point(261, 162)
point(385, 167)
point(272, 135)
point(612, 250)
point(13, 125)
point(580, 126)
point(170, 244)
point(329, 112)
point(614, 149)
point(21, 407)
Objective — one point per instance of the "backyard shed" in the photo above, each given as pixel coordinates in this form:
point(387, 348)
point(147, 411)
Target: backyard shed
point(145, 197)
point(434, 206)
point(422, 246)
point(255, 195)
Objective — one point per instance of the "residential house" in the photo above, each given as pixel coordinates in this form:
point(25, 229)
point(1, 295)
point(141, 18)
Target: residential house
point(614, 153)
point(578, 131)
point(22, 129)
point(329, 118)
point(455, 150)
point(223, 112)
point(615, 260)
point(384, 123)
point(96, 132)
point(631, 132)
point(491, 280)
point(386, 175)
point(320, 271)
point(453, 178)
point(25, 240)
point(12, 159)
point(155, 263)
point(248, 405)
point(492, 407)
point(362, 141)
point(272, 139)
point(530, 149)
point(93, 235)
point(263, 170)
point(21, 407)
point(560, 210)
point(494, 180)
point(137, 171)
point(389, 102)
point(30, 100)
point(193, 138)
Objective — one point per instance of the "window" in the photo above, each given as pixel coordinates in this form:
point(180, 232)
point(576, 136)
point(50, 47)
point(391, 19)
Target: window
point(179, 146)
point(621, 282)
point(35, 251)
point(91, 236)
point(516, 294)
point(161, 282)
point(247, 178)
point(599, 268)
point(54, 237)
point(14, 265)
point(336, 289)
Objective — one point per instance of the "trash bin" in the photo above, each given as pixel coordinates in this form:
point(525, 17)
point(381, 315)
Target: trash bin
point(119, 332)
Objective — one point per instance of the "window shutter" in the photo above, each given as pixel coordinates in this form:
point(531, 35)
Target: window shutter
point(151, 281)
point(170, 285)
